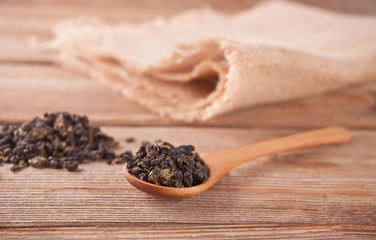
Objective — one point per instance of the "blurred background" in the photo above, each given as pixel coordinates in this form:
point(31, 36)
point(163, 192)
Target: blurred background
point(31, 84)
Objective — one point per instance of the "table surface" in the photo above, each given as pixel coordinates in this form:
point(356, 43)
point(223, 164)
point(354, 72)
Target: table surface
point(322, 192)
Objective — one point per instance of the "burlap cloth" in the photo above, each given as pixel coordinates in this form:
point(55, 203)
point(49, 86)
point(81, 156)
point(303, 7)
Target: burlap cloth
point(202, 63)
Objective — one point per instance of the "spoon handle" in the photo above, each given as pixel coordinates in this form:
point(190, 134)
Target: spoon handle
point(234, 157)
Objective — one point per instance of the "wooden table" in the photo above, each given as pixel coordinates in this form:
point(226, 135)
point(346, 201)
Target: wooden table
point(323, 192)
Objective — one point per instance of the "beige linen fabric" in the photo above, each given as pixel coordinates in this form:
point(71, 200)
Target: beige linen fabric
point(202, 63)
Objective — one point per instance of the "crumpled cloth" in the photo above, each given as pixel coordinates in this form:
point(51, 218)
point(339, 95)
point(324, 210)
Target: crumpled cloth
point(203, 63)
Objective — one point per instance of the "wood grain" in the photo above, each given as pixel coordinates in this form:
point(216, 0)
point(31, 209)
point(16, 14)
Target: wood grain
point(199, 231)
point(319, 193)
point(330, 190)
point(31, 90)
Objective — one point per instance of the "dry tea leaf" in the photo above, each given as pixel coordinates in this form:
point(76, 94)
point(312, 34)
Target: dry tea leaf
point(58, 140)
point(163, 164)
point(130, 140)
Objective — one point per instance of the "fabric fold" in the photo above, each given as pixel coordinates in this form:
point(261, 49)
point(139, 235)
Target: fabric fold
point(202, 63)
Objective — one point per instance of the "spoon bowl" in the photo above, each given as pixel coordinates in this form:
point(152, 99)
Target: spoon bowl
point(220, 163)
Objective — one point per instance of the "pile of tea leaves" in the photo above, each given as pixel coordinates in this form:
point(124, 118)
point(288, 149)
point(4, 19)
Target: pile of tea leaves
point(163, 164)
point(58, 140)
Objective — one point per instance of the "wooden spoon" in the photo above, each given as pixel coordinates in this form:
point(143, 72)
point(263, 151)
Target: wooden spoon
point(220, 163)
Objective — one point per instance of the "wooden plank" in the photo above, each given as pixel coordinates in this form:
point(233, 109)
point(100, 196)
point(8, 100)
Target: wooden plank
point(332, 187)
point(28, 93)
point(31, 90)
point(176, 231)
point(326, 192)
